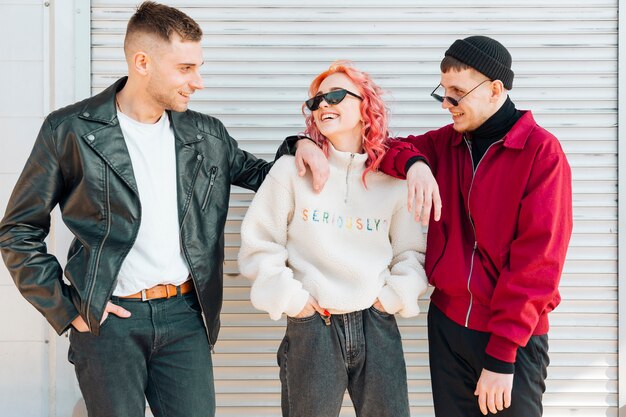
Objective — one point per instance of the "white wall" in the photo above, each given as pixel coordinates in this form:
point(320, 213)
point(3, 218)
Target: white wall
point(36, 378)
point(23, 339)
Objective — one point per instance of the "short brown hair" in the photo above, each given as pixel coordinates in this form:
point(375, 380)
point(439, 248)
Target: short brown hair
point(449, 63)
point(162, 21)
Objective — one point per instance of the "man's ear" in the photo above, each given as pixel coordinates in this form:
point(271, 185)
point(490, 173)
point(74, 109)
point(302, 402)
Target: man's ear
point(141, 62)
point(497, 89)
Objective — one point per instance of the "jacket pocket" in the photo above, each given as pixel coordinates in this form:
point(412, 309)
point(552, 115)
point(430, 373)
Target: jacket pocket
point(207, 195)
point(76, 265)
point(537, 350)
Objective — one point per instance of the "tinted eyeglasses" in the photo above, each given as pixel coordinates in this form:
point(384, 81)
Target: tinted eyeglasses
point(452, 100)
point(332, 97)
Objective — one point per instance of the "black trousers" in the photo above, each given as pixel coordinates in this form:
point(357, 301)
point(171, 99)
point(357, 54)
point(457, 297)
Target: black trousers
point(456, 356)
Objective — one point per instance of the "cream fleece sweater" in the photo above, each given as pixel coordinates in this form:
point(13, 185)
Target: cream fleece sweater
point(345, 246)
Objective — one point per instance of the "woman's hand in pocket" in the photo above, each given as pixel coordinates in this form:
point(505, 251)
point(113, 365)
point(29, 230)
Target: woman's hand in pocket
point(378, 306)
point(310, 308)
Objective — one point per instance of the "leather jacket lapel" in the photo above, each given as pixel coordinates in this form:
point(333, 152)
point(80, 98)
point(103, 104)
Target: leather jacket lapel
point(108, 142)
point(107, 139)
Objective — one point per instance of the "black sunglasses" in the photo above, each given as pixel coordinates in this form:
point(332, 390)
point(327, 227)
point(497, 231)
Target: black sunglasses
point(452, 100)
point(332, 97)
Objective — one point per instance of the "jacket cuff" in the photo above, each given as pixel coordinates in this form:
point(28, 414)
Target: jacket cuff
point(496, 365)
point(297, 302)
point(501, 348)
point(403, 157)
point(61, 319)
point(413, 160)
point(390, 300)
point(290, 145)
point(69, 325)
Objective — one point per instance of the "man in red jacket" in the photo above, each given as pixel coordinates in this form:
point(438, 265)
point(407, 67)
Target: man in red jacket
point(496, 256)
point(495, 252)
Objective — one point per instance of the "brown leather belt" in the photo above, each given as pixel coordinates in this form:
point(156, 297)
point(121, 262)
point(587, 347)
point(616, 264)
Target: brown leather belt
point(162, 291)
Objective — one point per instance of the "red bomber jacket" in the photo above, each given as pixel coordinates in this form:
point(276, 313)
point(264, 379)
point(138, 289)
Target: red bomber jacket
point(495, 257)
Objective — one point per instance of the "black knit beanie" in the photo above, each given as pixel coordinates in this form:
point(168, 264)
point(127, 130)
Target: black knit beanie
point(485, 55)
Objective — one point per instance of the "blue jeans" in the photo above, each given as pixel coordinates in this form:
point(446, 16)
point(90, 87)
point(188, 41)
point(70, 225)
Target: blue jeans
point(161, 352)
point(359, 351)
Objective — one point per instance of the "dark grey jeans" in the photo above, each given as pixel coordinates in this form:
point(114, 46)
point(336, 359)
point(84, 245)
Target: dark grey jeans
point(160, 353)
point(360, 351)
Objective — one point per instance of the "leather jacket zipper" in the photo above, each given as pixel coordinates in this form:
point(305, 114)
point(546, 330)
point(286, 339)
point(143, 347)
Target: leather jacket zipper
point(469, 215)
point(104, 239)
point(184, 249)
point(211, 183)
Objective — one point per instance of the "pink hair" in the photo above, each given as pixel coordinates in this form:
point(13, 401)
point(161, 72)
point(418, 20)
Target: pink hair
point(375, 132)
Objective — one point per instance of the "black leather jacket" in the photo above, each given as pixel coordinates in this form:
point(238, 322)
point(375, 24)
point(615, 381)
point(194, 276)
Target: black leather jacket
point(80, 161)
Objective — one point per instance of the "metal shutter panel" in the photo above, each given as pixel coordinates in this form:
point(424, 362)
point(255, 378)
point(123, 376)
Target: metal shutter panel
point(260, 58)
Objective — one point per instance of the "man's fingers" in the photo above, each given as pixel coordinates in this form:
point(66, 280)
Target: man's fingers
point(419, 205)
point(437, 203)
point(320, 176)
point(300, 165)
point(80, 325)
point(423, 193)
point(104, 316)
point(428, 203)
point(320, 171)
point(117, 310)
point(494, 391)
point(309, 155)
point(491, 402)
point(499, 401)
point(482, 402)
point(507, 398)
point(410, 197)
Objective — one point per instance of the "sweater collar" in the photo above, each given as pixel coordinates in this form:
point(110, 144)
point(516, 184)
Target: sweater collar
point(343, 160)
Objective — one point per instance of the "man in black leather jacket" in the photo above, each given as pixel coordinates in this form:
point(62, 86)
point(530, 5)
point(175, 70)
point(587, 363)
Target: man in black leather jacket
point(154, 342)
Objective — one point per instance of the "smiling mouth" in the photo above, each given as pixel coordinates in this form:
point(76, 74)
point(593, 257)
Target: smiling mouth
point(328, 116)
point(186, 95)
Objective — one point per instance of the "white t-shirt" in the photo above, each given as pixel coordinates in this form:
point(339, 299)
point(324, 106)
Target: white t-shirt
point(156, 256)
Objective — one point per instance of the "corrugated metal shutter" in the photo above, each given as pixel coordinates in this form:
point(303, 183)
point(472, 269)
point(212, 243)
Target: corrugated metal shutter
point(260, 57)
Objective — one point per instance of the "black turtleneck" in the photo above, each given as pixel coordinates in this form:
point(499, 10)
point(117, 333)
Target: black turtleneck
point(492, 130)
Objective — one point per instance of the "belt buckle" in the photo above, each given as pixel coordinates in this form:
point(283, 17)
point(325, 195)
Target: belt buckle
point(143, 295)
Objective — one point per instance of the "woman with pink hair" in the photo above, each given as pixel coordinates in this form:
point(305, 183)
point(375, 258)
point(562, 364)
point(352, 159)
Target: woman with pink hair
point(339, 263)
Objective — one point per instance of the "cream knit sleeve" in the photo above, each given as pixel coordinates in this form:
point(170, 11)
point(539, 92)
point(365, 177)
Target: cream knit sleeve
point(407, 280)
point(263, 254)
